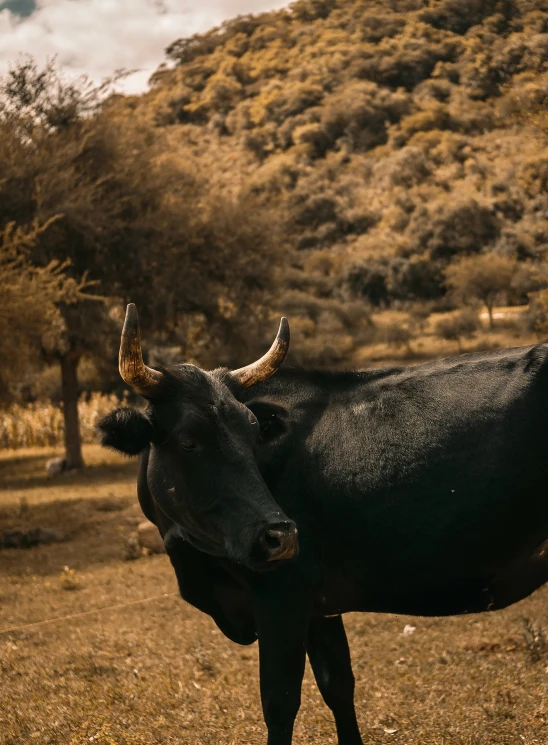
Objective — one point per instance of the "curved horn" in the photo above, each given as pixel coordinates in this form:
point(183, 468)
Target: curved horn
point(269, 362)
point(130, 358)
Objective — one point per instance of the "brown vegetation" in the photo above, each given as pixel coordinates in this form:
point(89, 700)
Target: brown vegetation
point(31, 296)
point(482, 278)
point(142, 225)
point(41, 423)
point(462, 324)
point(323, 161)
point(391, 139)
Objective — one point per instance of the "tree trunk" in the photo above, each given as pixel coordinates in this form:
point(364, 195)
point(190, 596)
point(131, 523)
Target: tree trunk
point(69, 382)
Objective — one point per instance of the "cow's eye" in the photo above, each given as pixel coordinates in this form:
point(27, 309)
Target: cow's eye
point(188, 444)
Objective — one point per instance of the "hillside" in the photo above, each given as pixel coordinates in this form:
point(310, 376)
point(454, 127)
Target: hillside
point(387, 135)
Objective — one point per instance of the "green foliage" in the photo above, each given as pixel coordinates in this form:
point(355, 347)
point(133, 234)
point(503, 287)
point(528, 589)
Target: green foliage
point(394, 278)
point(460, 15)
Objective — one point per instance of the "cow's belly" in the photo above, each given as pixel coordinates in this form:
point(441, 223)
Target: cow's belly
point(423, 552)
point(402, 593)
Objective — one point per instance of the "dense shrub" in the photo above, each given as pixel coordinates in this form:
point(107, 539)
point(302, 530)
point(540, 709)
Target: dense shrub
point(360, 112)
point(460, 15)
point(368, 279)
point(385, 280)
point(449, 228)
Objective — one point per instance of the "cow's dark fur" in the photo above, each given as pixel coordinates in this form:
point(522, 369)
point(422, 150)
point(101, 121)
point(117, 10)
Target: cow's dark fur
point(419, 491)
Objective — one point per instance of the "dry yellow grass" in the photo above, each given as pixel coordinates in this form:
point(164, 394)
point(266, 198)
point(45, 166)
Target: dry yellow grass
point(41, 423)
point(509, 331)
point(161, 672)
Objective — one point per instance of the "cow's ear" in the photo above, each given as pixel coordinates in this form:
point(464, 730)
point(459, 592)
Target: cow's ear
point(273, 418)
point(127, 430)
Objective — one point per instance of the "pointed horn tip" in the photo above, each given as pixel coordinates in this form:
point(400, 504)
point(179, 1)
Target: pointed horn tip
point(283, 331)
point(131, 313)
point(131, 321)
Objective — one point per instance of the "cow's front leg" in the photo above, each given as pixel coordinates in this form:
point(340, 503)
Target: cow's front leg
point(330, 659)
point(282, 624)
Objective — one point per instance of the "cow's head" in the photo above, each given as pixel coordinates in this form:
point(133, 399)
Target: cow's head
point(202, 470)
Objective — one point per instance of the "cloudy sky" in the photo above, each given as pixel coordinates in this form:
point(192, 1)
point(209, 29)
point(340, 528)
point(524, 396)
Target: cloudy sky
point(97, 37)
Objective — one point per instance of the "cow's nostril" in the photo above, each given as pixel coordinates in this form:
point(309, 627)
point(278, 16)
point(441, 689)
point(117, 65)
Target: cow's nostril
point(279, 541)
point(272, 539)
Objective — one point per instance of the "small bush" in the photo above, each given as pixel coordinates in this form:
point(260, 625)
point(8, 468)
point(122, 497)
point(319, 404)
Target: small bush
point(132, 548)
point(463, 324)
point(535, 640)
point(69, 579)
point(458, 15)
point(399, 334)
point(537, 319)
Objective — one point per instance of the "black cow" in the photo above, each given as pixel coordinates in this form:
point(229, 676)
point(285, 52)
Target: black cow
point(416, 490)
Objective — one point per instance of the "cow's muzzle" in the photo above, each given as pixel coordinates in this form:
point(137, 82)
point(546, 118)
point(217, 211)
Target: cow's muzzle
point(279, 541)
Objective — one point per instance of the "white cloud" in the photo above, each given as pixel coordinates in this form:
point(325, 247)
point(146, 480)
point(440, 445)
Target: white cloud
point(96, 37)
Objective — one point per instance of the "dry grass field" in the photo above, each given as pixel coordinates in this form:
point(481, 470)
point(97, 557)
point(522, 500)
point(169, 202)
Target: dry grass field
point(510, 330)
point(160, 672)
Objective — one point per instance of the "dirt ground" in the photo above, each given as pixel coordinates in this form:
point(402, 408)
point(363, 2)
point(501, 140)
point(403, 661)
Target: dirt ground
point(160, 671)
